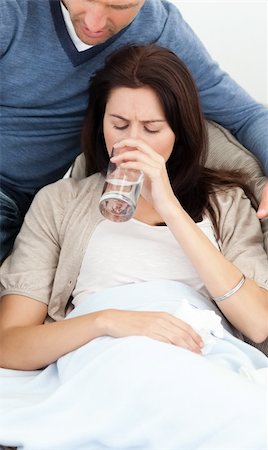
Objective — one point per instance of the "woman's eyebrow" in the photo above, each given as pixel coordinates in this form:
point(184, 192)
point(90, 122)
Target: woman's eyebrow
point(117, 116)
point(153, 120)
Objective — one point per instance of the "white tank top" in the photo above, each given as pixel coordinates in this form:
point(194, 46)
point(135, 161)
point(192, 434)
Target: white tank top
point(131, 252)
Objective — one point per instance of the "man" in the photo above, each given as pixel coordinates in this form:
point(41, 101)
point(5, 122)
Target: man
point(49, 50)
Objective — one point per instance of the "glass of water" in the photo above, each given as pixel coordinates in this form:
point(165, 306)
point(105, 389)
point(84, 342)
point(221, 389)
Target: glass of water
point(120, 192)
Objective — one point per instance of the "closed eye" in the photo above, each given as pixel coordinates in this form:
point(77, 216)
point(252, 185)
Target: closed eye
point(122, 127)
point(151, 131)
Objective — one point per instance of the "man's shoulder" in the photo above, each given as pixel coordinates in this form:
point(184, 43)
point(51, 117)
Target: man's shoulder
point(14, 8)
point(14, 17)
point(169, 29)
point(158, 12)
point(20, 11)
point(159, 5)
point(13, 14)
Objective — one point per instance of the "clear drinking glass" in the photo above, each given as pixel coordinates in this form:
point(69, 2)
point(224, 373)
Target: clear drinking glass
point(120, 192)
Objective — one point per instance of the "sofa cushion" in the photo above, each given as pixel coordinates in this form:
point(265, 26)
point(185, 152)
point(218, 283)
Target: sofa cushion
point(227, 153)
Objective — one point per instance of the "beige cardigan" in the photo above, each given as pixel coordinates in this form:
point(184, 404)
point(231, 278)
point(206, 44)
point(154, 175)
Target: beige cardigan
point(49, 249)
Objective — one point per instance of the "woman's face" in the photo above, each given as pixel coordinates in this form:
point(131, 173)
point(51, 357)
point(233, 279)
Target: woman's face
point(137, 113)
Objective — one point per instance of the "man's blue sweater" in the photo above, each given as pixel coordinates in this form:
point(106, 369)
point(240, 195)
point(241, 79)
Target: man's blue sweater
point(44, 87)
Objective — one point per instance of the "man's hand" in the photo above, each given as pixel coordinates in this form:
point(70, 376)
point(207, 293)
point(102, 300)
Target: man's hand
point(262, 212)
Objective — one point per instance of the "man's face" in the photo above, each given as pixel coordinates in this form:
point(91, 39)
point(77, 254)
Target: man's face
point(95, 21)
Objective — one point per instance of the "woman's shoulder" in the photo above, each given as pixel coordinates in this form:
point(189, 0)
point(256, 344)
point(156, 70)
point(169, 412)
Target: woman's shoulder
point(230, 196)
point(69, 188)
point(237, 220)
point(229, 202)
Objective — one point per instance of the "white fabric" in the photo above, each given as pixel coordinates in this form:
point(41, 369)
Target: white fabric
point(206, 323)
point(80, 45)
point(137, 393)
point(116, 254)
point(259, 376)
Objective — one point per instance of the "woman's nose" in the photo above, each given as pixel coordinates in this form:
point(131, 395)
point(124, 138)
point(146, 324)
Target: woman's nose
point(134, 132)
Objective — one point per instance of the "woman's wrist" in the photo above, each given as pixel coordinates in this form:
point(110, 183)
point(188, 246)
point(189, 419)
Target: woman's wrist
point(103, 322)
point(171, 211)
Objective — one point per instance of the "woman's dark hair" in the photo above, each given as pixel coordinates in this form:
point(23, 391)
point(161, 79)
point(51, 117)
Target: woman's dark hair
point(161, 70)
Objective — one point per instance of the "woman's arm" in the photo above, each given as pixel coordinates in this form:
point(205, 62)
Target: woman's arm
point(247, 309)
point(28, 344)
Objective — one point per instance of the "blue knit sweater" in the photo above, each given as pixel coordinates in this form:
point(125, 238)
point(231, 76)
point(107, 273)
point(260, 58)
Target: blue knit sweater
point(44, 83)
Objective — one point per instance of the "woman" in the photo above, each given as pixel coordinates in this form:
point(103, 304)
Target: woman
point(194, 246)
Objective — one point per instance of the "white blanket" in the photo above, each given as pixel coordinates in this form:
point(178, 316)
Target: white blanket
point(139, 393)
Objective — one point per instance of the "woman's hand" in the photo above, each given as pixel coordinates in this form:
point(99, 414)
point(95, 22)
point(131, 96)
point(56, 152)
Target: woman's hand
point(156, 187)
point(156, 325)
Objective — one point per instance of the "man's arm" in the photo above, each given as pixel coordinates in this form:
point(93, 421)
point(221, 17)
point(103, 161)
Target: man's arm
point(222, 99)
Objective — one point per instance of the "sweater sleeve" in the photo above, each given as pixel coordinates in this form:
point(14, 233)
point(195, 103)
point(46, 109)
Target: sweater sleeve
point(31, 267)
point(13, 15)
point(222, 99)
point(241, 236)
